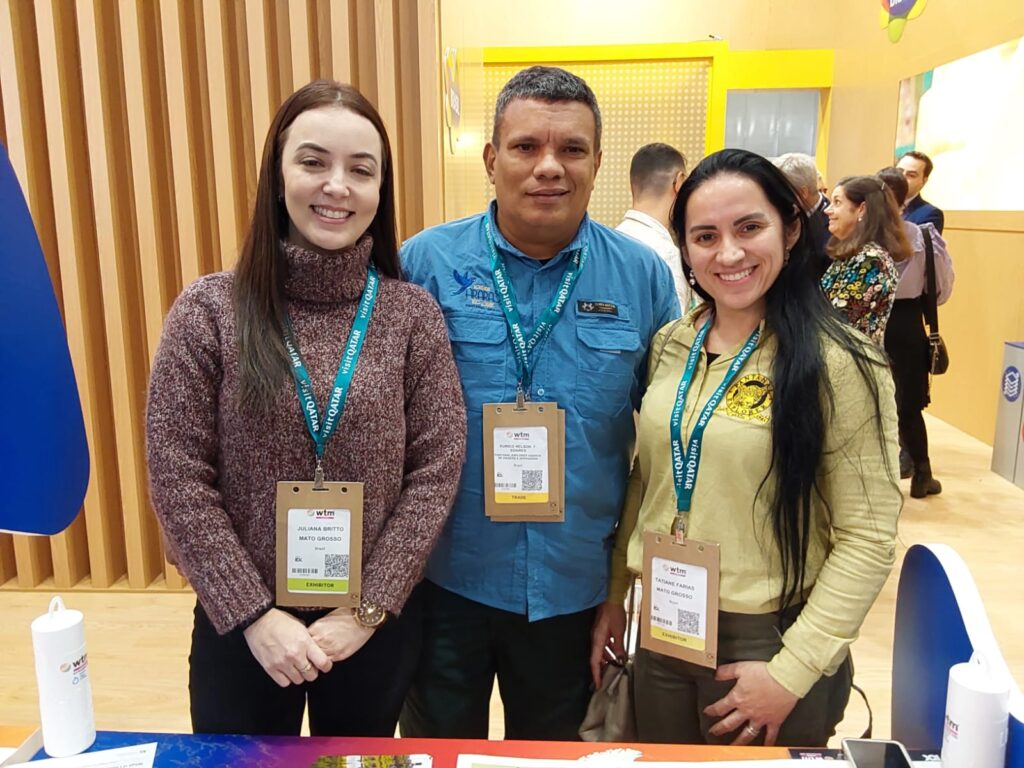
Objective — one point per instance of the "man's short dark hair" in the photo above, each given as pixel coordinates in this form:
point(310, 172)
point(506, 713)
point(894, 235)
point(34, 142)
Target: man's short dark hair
point(894, 179)
point(653, 168)
point(550, 84)
point(923, 158)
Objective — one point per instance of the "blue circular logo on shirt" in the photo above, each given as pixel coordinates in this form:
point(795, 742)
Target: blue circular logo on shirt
point(1011, 384)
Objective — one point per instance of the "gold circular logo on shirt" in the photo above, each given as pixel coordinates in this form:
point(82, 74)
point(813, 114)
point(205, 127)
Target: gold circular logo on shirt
point(750, 398)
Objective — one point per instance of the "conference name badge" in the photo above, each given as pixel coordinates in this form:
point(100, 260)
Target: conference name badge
point(680, 598)
point(524, 460)
point(319, 544)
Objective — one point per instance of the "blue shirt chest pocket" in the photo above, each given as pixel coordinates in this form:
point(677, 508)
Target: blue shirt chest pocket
point(480, 347)
point(607, 357)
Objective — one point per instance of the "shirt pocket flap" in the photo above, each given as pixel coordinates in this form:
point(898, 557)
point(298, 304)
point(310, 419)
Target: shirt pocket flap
point(607, 339)
point(476, 330)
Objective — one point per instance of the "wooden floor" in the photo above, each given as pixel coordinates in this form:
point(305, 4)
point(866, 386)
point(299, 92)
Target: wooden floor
point(138, 642)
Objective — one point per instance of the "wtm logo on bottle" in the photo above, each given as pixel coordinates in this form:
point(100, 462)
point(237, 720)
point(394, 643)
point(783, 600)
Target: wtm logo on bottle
point(1011, 384)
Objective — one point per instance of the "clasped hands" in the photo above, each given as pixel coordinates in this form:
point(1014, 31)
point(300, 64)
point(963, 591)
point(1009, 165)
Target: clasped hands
point(292, 653)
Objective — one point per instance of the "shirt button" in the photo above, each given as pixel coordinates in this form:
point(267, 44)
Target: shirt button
point(540, 390)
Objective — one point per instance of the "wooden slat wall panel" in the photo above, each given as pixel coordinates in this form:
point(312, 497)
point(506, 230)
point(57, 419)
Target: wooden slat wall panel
point(69, 181)
point(225, 129)
point(26, 146)
point(259, 77)
point(137, 138)
point(26, 137)
point(8, 567)
point(118, 250)
point(339, 23)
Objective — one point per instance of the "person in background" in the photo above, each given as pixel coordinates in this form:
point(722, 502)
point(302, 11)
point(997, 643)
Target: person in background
point(867, 242)
point(226, 422)
point(655, 174)
point(795, 479)
point(906, 340)
point(803, 175)
point(917, 167)
point(518, 600)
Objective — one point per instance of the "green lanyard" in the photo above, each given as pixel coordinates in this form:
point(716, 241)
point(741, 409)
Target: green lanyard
point(322, 427)
point(522, 346)
point(685, 463)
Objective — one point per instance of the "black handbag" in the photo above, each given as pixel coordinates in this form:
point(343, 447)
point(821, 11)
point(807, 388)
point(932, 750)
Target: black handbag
point(938, 355)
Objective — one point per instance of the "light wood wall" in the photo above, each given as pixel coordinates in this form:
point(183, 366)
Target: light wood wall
point(136, 128)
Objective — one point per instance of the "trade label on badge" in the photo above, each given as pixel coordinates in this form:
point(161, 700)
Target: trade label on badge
point(319, 546)
point(520, 465)
point(678, 603)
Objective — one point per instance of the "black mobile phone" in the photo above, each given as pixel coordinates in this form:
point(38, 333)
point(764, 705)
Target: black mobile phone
point(876, 753)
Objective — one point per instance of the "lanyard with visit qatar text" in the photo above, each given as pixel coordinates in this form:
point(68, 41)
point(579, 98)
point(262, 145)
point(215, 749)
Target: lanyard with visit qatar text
point(322, 426)
point(319, 524)
point(685, 463)
point(524, 443)
point(682, 575)
point(524, 347)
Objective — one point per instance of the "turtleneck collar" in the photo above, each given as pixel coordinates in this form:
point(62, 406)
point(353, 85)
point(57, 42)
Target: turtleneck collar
point(326, 277)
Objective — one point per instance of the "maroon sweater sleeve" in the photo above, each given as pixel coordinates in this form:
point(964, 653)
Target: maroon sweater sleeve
point(182, 449)
point(435, 418)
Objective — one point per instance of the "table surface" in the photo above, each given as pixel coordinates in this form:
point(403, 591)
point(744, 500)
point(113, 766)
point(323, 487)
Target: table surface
point(272, 751)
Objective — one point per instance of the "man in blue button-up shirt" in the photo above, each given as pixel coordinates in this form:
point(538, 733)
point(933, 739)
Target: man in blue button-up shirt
point(519, 599)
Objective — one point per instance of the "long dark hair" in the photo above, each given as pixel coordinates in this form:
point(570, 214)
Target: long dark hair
point(881, 224)
point(260, 272)
point(801, 319)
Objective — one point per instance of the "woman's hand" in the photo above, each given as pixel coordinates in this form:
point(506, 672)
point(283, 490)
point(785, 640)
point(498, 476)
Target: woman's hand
point(608, 632)
point(283, 647)
point(755, 702)
point(339, 635)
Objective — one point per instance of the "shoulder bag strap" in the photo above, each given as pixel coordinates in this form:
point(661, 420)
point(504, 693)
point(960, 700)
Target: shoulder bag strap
point(931, 313)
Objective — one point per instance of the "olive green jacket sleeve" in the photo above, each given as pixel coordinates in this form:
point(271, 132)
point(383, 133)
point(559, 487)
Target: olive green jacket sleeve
point(858, 484)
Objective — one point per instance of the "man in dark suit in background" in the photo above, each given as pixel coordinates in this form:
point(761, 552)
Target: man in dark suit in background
point(803, 175)
point(916, 168)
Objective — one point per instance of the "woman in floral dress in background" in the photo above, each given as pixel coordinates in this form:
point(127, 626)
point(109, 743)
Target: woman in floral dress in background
point(867, 240)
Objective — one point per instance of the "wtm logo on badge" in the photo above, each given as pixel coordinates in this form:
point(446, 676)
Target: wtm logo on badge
point(1011, 384)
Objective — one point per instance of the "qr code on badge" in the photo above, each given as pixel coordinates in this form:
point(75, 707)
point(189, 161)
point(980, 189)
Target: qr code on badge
point(688, 622)
point(336, 566)
point(532, 479)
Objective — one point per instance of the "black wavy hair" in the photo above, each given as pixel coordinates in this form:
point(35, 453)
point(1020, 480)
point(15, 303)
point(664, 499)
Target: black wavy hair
point(801, 320)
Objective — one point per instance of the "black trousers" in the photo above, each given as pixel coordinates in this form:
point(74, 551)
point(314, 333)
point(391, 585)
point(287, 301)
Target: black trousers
point(361, 696)
point(670, 694)
point(906, 343)
point(542, 667)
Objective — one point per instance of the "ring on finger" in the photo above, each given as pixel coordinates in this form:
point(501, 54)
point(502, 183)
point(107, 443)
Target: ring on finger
point(309, 666)
point(752, 730)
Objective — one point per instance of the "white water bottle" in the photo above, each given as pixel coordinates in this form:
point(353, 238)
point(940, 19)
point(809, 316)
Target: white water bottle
point(977, 717)
point(62, 672)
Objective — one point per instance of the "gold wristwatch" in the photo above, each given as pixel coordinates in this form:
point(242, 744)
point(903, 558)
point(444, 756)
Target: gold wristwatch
point(370, 616)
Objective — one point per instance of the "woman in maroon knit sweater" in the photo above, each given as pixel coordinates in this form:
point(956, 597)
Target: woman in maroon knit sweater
point(225, 424)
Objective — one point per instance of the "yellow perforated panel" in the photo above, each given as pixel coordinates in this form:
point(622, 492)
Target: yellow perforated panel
point(640, 101)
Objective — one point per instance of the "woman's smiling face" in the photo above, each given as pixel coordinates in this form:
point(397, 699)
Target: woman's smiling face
point(331, 176)
point(735, 241)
